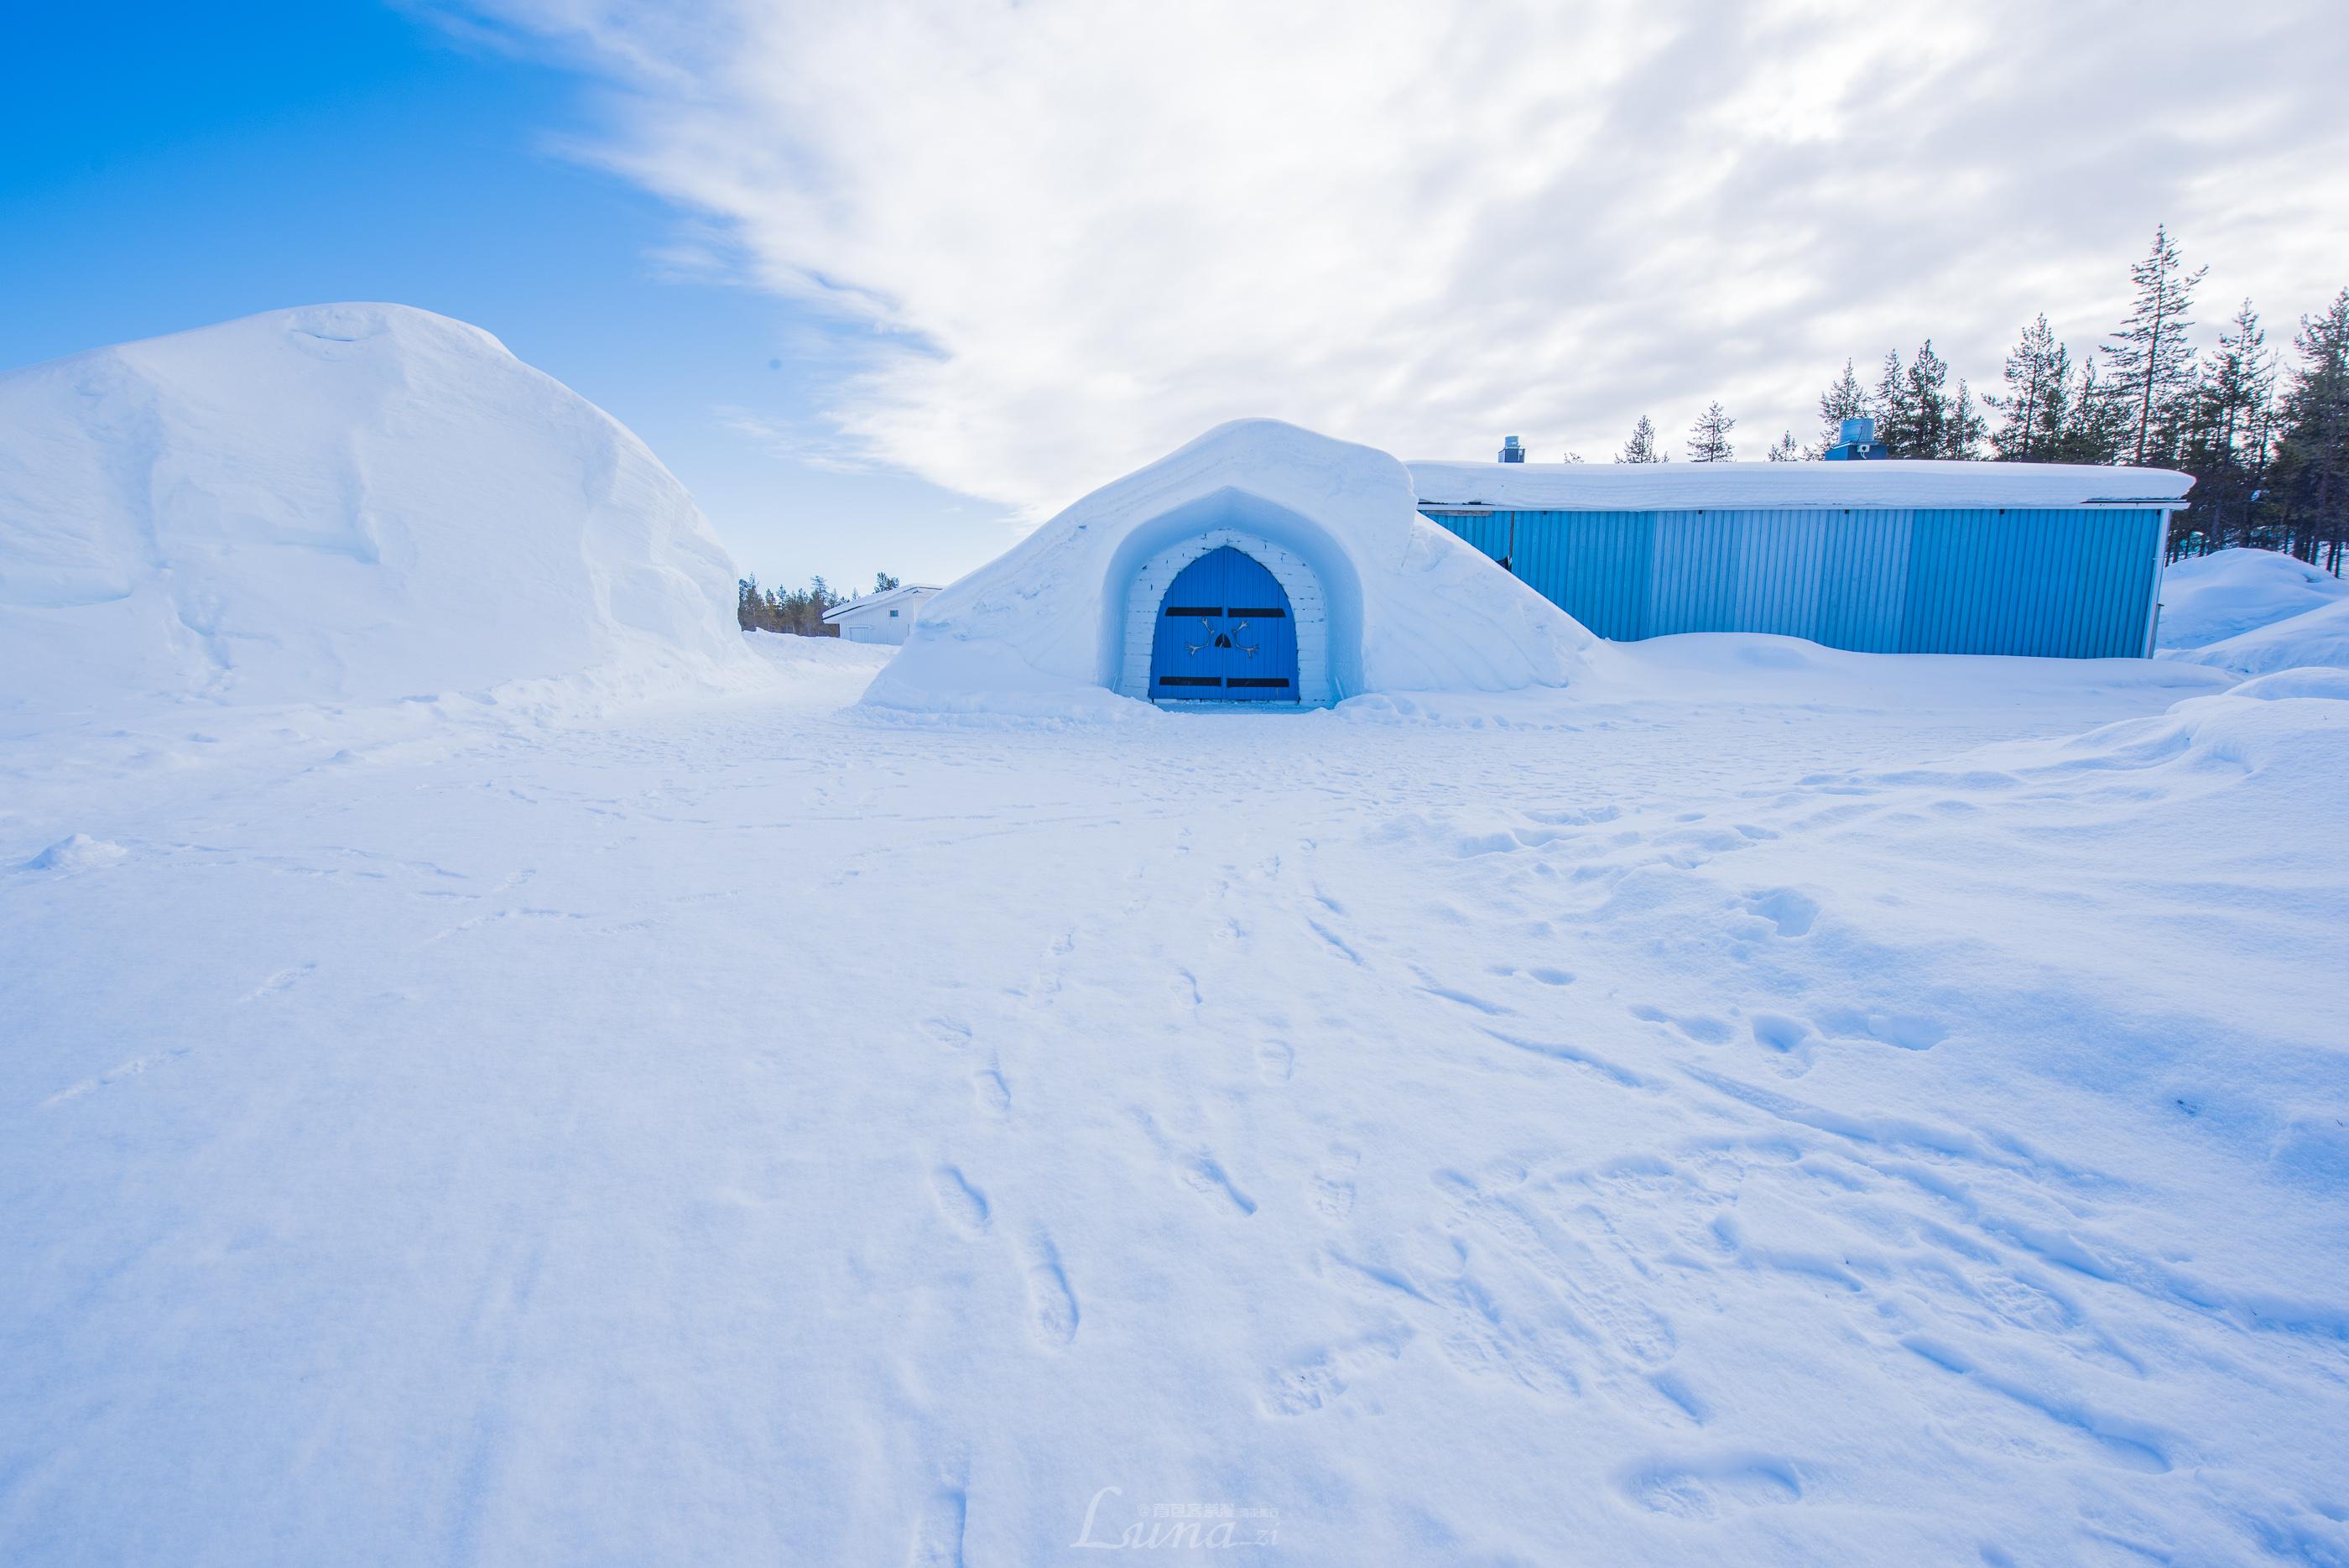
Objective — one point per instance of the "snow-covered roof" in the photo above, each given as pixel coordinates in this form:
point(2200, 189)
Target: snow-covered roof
point(875, 601)
point(1687, 486)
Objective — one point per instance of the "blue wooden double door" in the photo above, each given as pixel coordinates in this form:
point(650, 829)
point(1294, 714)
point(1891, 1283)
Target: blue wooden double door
point(1224, 634)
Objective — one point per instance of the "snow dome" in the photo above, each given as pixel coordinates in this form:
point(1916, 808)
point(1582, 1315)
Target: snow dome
point(1262, 563)
point(339, 503)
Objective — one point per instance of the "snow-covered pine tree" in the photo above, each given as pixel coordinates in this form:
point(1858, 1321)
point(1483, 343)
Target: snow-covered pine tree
point(1784, 449)
point(1845, 400)
point(1641, 447)
point(2153, 365)
point(2038, 381)
point(1708, 438)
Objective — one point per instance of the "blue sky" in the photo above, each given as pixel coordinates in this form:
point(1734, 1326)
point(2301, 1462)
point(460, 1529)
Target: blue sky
point(172, 166)
point(882, 282)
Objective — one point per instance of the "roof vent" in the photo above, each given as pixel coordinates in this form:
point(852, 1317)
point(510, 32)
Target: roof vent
point(1859, 443)
point(1511, 450)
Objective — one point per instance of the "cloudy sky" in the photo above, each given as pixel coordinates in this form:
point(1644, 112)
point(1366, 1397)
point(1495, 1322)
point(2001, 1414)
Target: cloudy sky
point(1084, 232)
point(900, 274)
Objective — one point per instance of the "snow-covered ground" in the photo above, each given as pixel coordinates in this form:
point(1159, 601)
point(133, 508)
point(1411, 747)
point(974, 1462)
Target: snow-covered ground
point(1760, 1105)
point(2254, 612)
point(2207, 600)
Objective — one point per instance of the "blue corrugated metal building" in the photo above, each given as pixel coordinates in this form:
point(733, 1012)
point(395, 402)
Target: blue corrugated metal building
point(1884, 556)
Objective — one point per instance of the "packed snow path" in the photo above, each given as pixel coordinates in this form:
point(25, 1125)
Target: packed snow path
point(1538, 1130)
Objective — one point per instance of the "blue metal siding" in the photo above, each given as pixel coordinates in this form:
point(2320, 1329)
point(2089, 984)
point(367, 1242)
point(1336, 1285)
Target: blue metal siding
point(2060, 582)
point(1601, 566)
point(1693, 575)
point(1864, 580)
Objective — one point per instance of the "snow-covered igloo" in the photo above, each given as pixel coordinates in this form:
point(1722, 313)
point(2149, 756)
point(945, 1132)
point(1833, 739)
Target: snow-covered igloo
point(1266, 524)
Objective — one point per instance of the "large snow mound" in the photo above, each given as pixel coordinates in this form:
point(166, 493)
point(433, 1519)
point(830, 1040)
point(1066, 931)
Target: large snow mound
point(1043, 629)
point(340, 503)
point(2314, 638)
point(2212, 598)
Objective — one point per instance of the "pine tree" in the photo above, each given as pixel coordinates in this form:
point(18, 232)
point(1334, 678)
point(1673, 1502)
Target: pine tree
point(1641, 447)
point(2038, 381)
point(2152, 362)
point(883, 582)
point(1894, 405)
point(1846, 400)
point(1708, 438)
point(1784, 449)
point(2094, 427)
point(1962, 437)
point(2312, 468)
point(2227, 430)
point(1928, 406)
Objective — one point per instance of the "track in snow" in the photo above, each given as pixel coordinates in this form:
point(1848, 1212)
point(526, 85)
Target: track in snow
point(1532, 1130)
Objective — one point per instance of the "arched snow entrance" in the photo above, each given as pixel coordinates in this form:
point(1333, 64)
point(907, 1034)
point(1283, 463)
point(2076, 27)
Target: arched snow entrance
point(1301, 596)
point(1223, 634)
point(1065, 623)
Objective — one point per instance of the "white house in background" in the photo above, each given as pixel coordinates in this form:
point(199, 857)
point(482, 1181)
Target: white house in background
point(879, 617)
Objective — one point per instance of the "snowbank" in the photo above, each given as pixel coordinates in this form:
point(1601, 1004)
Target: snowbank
point(1044, 630)
point(2211, 597)
point(341, 502)
point(2314, 638)
point(1673, 486)
point(2296, 720)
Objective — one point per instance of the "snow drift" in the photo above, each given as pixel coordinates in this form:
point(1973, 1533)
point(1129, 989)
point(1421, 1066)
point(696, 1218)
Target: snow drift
point(341, 502)
point(2212, 598)
point(2313, 637)
point(1044, 630)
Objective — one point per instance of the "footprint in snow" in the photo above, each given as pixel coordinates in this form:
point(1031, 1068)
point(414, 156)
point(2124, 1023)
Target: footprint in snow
point(1275, 1061)
point(937, 1533)
point(1052, 1306)
point(994, 1095)
point(1312, 1381)
point(1333, 1184)
point(964, 1205)
point(1908, 1031)
point(1202, 1174)
point(1703, 1028)
point(1706, 1490)
point(1791, 912)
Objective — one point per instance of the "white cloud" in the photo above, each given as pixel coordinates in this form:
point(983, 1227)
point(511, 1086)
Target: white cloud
point(1089, 231)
